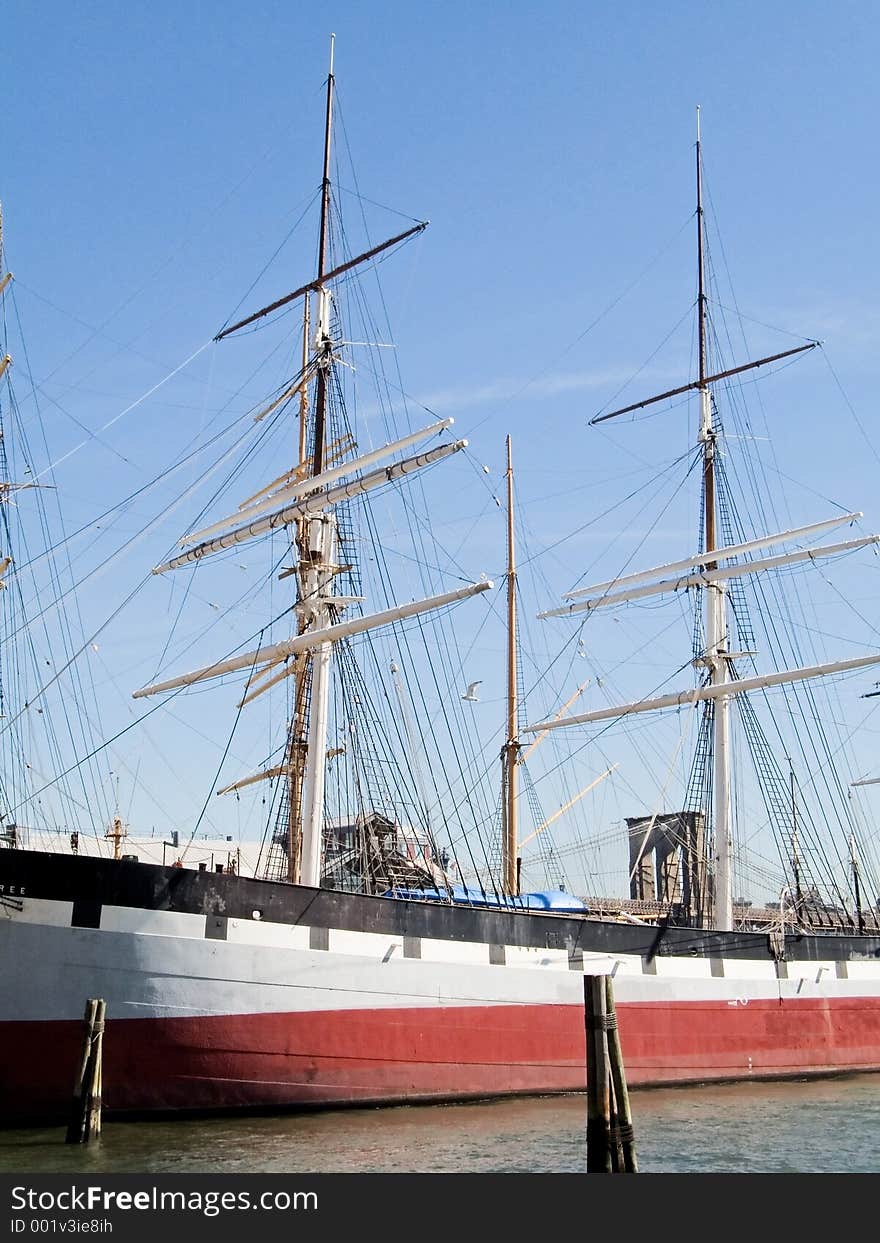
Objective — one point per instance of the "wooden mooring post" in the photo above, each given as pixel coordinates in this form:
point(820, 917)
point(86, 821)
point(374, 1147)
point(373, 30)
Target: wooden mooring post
point(85, 1110)
point(610, 1140)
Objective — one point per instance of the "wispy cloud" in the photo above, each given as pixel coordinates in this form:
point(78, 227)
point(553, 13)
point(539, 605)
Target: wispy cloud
point(850, 326)
point(508, 389)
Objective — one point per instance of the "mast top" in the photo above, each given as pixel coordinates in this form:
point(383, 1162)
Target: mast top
point(702, 309)
point(332, 42)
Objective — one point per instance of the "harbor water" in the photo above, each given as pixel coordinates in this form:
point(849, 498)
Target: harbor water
point(818, 1126)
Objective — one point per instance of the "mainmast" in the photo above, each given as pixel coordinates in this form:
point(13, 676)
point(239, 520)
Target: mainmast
point(323, 342)
point(318, 552)
point(296, 746)
point(716, 598)
point(510, 751)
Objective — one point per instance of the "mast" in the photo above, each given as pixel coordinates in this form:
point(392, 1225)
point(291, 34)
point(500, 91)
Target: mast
point(510, 751)
point(304, 388)
point(721, 685)
point(318, 552)
point(318, 580)
point(716, 600)
point(323, 341)
point(304, 498)
point(296, 745)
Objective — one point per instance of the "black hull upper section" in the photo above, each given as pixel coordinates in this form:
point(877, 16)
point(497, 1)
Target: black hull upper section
point(91, 883)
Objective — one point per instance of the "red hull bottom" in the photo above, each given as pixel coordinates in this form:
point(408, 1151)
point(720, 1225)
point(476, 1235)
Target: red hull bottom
point(224, 1063)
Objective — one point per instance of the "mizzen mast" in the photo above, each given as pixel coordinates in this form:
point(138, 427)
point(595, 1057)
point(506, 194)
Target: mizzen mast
point(717, 655)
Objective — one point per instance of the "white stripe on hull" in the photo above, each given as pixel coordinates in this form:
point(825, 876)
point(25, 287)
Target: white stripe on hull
point(168, 969)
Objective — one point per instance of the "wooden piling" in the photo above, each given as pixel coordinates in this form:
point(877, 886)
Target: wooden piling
point(625, 1137)
point(598, 1078)
point(85, 1112)
point(615, 1135)
point(610, 1140)
point(96, 1081)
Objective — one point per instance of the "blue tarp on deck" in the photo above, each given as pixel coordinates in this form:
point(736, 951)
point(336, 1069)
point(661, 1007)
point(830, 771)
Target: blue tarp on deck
point(555, 900)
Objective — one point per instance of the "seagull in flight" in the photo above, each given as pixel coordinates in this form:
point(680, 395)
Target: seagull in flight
point(471, 692)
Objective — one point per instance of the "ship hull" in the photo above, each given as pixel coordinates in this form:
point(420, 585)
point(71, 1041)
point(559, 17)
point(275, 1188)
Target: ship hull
point(225, 993)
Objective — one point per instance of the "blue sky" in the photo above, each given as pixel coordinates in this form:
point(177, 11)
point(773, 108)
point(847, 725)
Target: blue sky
point(155, 156)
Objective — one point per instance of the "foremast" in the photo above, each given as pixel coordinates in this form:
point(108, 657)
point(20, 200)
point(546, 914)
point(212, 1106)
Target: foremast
point(295, 760)
point(317, 560)
point(304, 499)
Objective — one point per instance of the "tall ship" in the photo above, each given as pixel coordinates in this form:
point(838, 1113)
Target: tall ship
point(386, 948)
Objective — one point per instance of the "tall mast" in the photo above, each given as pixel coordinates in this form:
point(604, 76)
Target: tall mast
point(716, 602)
point(510, 752)
point(318, 553)
point(296, 746)
point(307, 495)
point(323, 342)
point(707, 431)
point(722, 686)
point(701, 267)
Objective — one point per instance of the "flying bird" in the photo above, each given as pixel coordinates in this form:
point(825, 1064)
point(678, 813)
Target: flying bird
point(471, 692)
